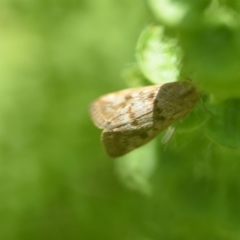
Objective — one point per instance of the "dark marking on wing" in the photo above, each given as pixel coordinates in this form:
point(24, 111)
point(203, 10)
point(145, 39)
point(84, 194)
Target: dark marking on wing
point(160, 118)
point(131, 113)
point(143, 135)
point(158, 110)
point(127, 97)
point(151, 95)
point(135, 122)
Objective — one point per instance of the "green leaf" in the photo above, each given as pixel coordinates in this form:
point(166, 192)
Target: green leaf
point(158, 56)
point(133, 76)
point(195, 119)
point(135, 169)
point(176, 13)
point(224, 125)
point(212, 52)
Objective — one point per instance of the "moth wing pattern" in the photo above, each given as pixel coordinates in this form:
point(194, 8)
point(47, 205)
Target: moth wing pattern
point(119, 108)
point(120, 141)
point(130, 118)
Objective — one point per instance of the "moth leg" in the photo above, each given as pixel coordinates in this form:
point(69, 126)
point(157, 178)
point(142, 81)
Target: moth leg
point(167, 136)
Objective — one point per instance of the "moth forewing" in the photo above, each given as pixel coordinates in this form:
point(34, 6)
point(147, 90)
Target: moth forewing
point(114, 109)
point(132, 117)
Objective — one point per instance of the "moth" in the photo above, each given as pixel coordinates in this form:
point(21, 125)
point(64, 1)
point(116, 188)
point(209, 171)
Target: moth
point(132, 117)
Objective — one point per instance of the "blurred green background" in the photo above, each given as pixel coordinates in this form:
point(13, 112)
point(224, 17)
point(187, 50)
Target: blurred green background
point(56, 181)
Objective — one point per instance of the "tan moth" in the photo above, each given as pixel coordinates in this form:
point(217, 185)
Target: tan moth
point(132, 117)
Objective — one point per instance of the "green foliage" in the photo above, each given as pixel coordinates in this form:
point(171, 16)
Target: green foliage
point(208, 34)
point(158, 56)
point(56, 181)
point(197, 175)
